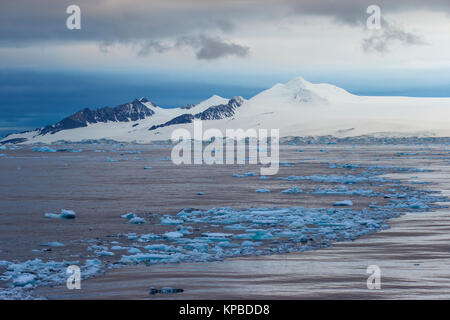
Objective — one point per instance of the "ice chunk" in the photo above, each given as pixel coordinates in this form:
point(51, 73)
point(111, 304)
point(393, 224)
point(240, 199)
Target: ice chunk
point(248, 174)
point(293, 190)
point(43, 149)
point(170, 221)
point(104, 253)
point(129, 215)
point(262, 190)
point(134, 250)
point(52, 215)
point(136, 220)
point(115, 248)
point(171, 235)
point(343, 203)
point(148, 237)
point(53, 244)
point(418, 205)
point(248, 244)
point(159, 247)
point(65, 214)
point(24, 280)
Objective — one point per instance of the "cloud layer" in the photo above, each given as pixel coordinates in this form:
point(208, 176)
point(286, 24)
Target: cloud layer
point(27, 22)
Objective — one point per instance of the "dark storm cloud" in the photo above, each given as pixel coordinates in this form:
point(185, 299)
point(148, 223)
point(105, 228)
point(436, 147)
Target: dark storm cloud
point(149, 24)
point(117, 20)
point(389, 35)
point(208, 48)
point(205, 47)
point(354, 11)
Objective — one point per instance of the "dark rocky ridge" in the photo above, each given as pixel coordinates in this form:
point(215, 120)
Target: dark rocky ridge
point(132, 111)
point(212, 113)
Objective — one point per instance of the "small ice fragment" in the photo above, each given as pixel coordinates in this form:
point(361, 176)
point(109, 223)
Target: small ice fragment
point(134, 250)
point(293, 190)
point(104, 253)
point(343, 203)
point(136, 220)
point(418, 205)
point(115, 248)
point(129, 215)
point(248, 244)
point(23, 280)
point(170, 221)
point(173, 235)
point(43, 149)
point(67, 214)
point(248, 174)
point(52, 215)
point(53, 244)
point(262, 190)
point(159, 247)
point(201, 193)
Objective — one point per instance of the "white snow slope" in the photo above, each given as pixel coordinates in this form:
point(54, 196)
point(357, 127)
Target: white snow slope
point(297, 108)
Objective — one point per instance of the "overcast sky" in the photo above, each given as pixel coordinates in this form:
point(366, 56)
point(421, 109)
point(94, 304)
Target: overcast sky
point(177, 51)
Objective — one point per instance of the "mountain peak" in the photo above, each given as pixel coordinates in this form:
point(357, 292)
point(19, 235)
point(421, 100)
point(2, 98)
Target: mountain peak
point(298, 82)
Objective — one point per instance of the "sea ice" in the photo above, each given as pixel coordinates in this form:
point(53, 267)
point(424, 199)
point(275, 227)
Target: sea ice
point(53, 244)
point(167, 220)
point(136, 220)
point(293, 190)
point(343, 203)
point(65, 214)
point(43, 149)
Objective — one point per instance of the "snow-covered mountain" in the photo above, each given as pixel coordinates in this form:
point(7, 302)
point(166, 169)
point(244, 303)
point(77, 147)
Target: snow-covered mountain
point(297, 108)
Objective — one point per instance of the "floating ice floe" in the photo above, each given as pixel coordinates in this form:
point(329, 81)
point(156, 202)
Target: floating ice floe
point(171, 235)
point(53, 244)
point(293, 190)
point(350, 179)
point(133, 218)
point(171, 221)
point(146, 237)
point(136, 220)
point(34, 273)
point(343, 203)
point(159, 247)
point(128, 215)
point(65, 214)
point(345, 190)
point(134, 250)
point(116, 248)
point(43, 149)
point(262, 190)
point(248, 174)
point(201, 193)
